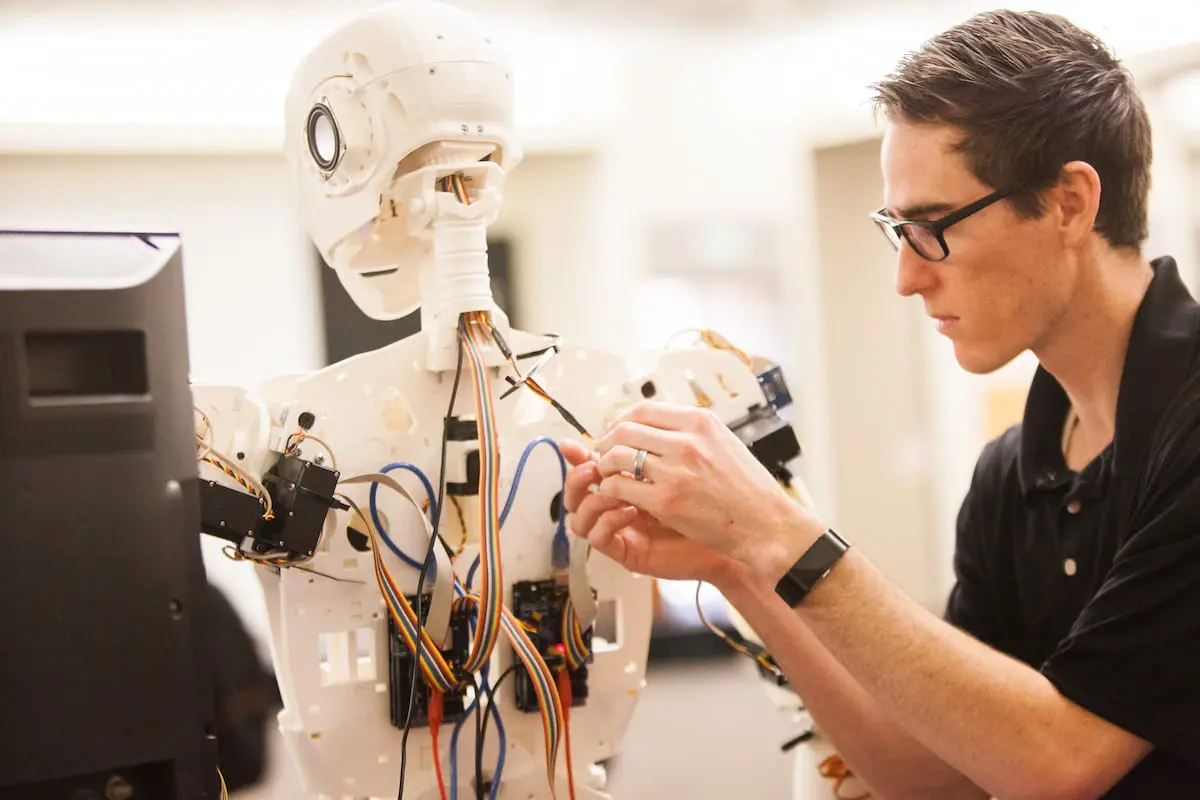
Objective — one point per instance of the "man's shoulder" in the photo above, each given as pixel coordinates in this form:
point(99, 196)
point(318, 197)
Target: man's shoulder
point(996, 479)
point(1000, 457)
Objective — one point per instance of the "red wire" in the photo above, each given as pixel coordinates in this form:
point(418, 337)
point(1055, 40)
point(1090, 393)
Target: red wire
point(564, 694)
point(436, 708)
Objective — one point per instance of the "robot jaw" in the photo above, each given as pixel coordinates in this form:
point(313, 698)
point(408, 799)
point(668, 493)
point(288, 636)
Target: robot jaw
point(431, 233)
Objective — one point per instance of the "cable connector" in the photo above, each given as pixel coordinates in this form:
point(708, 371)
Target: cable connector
point(560, 551)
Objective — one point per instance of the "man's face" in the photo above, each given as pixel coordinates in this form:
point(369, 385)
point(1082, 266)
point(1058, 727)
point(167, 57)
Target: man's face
point(1006, 280)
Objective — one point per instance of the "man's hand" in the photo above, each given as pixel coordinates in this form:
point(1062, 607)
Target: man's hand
point(702, 481)
point(633, 538)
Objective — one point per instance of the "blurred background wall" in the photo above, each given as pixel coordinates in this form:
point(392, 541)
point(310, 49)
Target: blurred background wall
point(688, 163)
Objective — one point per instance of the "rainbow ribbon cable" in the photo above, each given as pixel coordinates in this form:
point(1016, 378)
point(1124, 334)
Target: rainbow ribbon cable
point(544, 687)
point(572, 636)
point(491, 589)
point(438, 673)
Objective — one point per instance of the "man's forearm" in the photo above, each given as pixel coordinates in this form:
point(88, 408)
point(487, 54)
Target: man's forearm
point(994, 719)
point(894, 764)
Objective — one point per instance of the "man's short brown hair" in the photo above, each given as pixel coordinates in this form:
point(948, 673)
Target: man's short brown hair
point(1031, 92)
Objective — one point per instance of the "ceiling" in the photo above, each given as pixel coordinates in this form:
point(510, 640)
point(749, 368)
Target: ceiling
point(674, 13)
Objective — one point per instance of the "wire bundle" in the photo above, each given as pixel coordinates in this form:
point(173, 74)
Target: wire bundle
point(544, 687)
point(491, 588)
point(209, 455)
point(576, 648)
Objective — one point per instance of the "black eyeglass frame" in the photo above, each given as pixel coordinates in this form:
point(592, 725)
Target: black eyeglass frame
point(936, 227)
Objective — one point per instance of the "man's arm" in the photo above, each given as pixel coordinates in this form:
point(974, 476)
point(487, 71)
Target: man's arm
point(1003, 725)
point(1000, 723)
point(893, 764)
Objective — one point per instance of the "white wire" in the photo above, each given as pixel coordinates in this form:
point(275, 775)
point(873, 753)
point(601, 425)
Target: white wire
point(208, 431)
point(328, 449)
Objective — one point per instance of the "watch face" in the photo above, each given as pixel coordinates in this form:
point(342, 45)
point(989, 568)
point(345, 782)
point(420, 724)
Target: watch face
point(814, 565)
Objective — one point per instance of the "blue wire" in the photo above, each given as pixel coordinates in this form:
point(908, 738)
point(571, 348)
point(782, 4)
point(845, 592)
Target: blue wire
point(454, 738)
point(560, 538)
point(495, 712)
point(561, 545)
point(374, 506)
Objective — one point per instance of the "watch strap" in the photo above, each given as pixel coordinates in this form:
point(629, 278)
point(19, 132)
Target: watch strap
point(814, 565)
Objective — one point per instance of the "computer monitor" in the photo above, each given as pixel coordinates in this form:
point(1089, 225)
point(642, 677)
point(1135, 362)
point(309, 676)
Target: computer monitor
point(104, 682)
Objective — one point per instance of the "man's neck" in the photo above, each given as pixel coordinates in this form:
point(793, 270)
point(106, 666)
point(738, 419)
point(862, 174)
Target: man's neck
point(1085, 350)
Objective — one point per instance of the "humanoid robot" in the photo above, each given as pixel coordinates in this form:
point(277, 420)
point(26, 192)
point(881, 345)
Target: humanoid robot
point(413, 493)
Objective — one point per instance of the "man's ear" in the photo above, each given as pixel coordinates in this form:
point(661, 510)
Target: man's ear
point(1077, 197)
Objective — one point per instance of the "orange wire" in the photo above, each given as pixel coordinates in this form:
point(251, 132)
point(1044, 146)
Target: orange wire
point(564, 693)
point(839, 771)
point(436, 709)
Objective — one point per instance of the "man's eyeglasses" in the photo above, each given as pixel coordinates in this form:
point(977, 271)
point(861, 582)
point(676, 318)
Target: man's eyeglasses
point(927, 237)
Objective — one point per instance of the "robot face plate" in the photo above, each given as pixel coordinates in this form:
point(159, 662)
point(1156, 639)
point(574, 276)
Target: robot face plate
point(411, 84)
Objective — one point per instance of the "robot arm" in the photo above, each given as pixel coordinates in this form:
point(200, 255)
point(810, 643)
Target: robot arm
point(266, 500)
point(746, 393)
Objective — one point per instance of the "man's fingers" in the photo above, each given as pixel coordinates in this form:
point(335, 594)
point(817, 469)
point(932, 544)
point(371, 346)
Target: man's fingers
point(579, 482)
point(605, 534)
point(627, 490)
point(583, 519)
point(641, 436)
point(623, 459)
point(664, 416)
point(576, 452)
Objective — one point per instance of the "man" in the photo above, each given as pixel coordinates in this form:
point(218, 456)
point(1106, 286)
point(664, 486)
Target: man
point(1069, 662)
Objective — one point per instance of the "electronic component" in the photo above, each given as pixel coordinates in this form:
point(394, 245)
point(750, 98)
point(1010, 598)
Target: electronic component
point(771, 438)
point(228, 513)
point(401, 665)
point(775, 388)
point(302, 494)
point(540, 605)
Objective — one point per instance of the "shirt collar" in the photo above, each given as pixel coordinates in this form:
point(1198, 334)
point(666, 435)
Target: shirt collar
point(1157, 362)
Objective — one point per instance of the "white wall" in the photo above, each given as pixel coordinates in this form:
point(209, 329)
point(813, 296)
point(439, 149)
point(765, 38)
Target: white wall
point(881, 428)
point(549, 214)
point(252, 290)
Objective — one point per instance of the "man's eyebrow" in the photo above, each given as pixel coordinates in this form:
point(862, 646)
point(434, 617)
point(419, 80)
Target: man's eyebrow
point(918, 211)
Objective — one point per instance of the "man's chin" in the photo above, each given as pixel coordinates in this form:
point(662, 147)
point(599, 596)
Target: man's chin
point(979, 361)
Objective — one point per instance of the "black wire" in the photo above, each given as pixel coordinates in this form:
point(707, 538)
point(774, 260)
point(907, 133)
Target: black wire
point(437, 516)
point(478, 739)
point(535, 353)
point(514, 384)
point(797, 741)
point(493, 709)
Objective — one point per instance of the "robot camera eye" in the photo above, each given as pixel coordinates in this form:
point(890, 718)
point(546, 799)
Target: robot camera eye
point(324, 139)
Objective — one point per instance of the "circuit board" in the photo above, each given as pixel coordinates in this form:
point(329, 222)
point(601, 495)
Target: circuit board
point(540, 604)
point(401, 665)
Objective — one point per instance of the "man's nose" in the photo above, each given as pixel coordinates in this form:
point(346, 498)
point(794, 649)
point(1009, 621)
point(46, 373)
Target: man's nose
point(914, 275)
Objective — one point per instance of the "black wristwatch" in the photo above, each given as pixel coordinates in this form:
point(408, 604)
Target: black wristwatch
point(814, 565)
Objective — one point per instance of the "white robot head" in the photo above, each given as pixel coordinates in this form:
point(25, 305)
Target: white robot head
point(408, 85)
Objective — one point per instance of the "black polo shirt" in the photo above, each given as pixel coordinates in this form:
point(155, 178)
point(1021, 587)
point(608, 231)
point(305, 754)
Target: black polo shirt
point(1093, 578)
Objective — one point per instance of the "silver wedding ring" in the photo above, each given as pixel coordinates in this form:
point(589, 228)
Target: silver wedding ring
point(639, 465)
